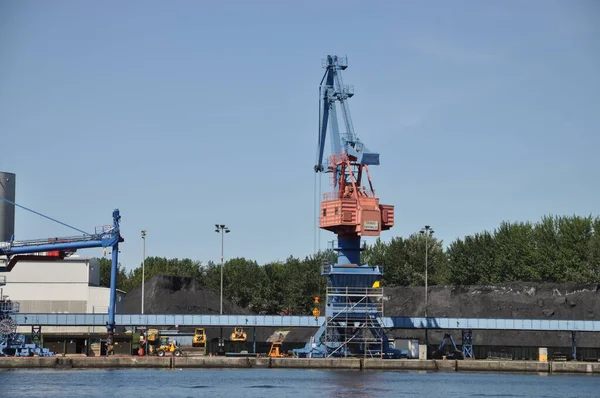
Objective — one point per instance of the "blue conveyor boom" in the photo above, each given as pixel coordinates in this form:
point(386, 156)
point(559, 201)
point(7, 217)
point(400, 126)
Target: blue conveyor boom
point(70, 243)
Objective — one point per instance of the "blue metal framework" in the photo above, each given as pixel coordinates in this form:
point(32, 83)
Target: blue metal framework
point(573, 345)
point(399, 322)
point(467, 343)
point(332, 90)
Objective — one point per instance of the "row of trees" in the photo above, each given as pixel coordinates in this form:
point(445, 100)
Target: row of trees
point(278, 287)
point(555, 249)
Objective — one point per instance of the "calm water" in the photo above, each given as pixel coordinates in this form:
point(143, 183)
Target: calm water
point(288, 383)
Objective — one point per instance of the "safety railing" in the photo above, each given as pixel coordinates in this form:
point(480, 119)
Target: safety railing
point(9, 306)
point(104, 229)
point(363, 192)
point(49, 241)
point(355, 291)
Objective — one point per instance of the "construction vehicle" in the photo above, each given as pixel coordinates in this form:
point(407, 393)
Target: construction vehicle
point(161, 345)
point(276, 350)
point(170, 346)
point(199, 339)
point(451, 353)
point(238, 334)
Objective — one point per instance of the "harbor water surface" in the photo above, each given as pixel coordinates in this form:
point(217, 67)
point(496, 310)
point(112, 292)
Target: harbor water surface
point(288, 383)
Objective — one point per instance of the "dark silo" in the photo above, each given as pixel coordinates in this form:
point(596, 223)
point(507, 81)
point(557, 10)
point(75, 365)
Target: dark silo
point(7, 210)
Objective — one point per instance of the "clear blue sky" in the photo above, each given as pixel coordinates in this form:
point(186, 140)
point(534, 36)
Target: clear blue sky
point(184, 114)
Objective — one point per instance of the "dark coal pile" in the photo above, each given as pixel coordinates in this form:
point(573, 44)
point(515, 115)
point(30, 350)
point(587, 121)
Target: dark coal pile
point(510, 301)
point(523, 300)
point(168, 294)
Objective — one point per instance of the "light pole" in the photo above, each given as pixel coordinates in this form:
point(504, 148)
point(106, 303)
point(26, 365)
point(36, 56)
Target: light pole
point(143, 267)
point(222, 229)
point(427, 231)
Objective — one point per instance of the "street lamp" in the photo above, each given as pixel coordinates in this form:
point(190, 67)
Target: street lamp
point(221, 228)
point(143, 267)
point(427, 231)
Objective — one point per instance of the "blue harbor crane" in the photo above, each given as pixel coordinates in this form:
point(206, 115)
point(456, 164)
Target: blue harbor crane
point(106, 236)
point(354, 303)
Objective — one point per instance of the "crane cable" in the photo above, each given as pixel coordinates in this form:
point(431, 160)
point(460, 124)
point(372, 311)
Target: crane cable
point(42, 215)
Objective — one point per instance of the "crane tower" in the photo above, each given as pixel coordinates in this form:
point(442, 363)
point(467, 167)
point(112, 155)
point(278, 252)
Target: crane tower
point(354, 303)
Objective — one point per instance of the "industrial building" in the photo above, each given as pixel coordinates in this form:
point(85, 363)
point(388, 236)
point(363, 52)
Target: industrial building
point(70, 285)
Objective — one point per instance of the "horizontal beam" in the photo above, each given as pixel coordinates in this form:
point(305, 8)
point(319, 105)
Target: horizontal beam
point(490, 324)
point(48, 247)
point(167, 320)
point(301, 321)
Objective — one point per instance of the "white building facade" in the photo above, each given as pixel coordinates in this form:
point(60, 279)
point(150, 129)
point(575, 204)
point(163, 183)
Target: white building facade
point(65, 286)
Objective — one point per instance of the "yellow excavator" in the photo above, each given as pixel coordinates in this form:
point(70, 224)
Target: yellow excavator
point(238, 334)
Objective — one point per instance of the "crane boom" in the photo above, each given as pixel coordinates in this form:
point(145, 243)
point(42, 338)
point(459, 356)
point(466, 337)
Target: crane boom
point(331, 90)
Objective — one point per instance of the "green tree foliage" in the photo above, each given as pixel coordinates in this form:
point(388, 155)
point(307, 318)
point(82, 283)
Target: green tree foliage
point(272, 291)
point(471, 260)
point(122, 279)
point(303, 281)
point(403, 260)
point(593, 261)
point(240, 279)
point(555, 249)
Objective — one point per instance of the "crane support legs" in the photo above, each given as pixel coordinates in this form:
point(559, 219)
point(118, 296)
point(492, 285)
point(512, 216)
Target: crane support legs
point(114, 271)
point(354, 309)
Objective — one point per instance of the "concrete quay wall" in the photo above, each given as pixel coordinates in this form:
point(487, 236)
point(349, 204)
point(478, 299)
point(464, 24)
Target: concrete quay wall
point(300, 363)
point(317, 363)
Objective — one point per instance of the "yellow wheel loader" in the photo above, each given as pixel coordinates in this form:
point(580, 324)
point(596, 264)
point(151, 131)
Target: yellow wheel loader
point(168, 346)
